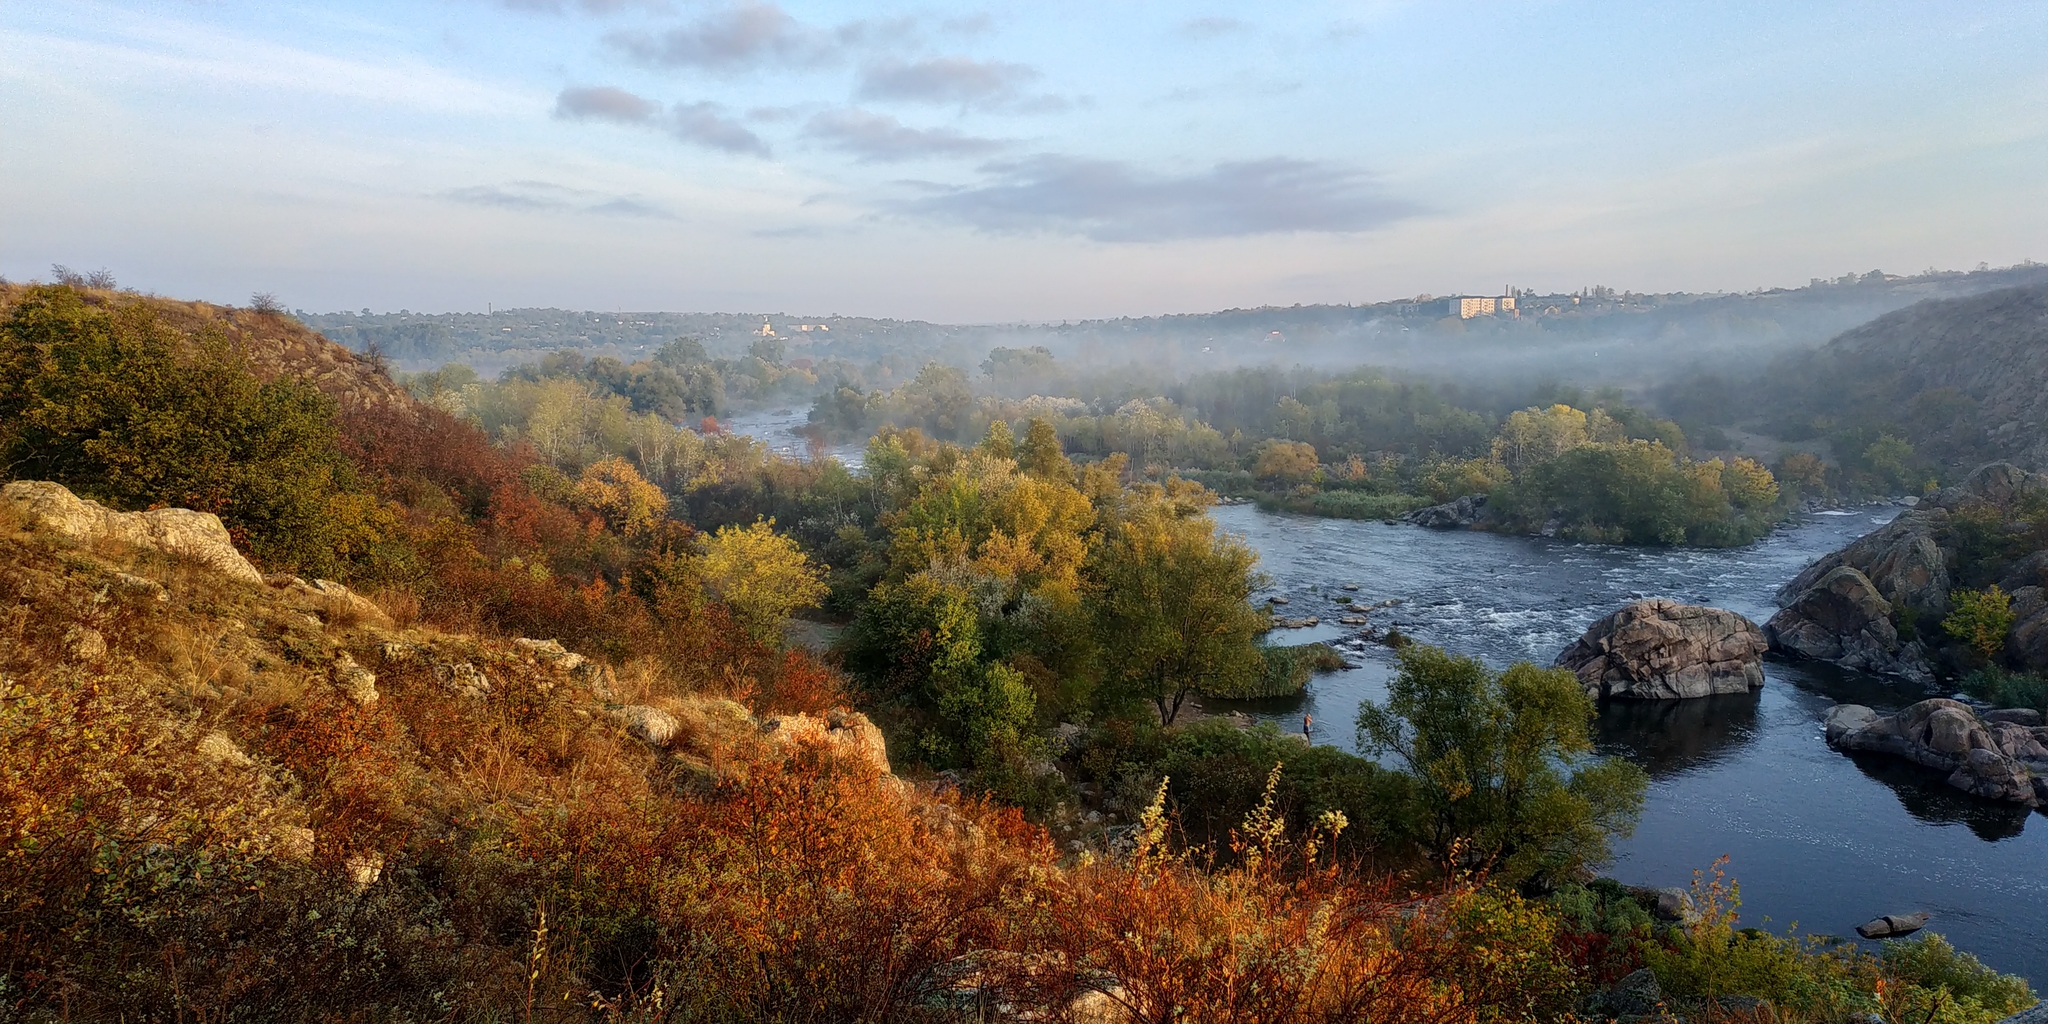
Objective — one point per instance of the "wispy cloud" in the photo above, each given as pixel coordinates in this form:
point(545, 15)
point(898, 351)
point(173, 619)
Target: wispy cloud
point(166, 50)
point(1111, 201)
point(952, 80)
point(548, 197)
point(586, 6)
point(879, 138)
point(702, 123)
point(1213, 27)
point(705, 125)
point(605, 103)
point(739, 39)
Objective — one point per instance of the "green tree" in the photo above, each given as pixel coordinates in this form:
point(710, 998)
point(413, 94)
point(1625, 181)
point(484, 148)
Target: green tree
point(1170, 598)
point(1000, 441)
point(1893, 461)
point(122, 408)
point(1501, 766)
point(1042, 454)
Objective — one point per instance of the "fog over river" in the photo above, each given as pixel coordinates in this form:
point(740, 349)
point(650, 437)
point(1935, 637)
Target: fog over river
point(1818, 838)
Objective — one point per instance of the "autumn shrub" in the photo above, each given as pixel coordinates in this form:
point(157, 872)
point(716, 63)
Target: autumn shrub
point(1278, 931)
point(1980, 620)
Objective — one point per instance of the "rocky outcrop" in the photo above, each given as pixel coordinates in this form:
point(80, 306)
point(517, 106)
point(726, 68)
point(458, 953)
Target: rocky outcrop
point(1843, 618)
point(1664, 650)
point(848, 732)
point(1451, 515)
point(1997, 760)
point(181, 532)
point(1848, 607)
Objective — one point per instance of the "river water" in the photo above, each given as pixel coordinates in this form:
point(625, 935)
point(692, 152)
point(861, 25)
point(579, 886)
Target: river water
point(1816, 838)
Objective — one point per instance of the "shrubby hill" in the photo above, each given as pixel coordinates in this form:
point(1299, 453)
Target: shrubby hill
point(338, 708)
point(1964, 380)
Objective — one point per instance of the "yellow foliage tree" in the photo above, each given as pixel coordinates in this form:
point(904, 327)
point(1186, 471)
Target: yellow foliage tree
point(761, 575)
point(1750, 486)
point(1531, 436)
point(618, 492)
point(1286, 462)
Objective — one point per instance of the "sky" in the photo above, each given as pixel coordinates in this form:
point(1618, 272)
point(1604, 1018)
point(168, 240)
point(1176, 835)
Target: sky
point(1021, 162)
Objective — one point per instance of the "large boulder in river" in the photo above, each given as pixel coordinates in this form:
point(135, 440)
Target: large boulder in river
point(1663, 650)
point(1451, 515)
point(196, 536)
point(1997, 760)
point(1844, 619)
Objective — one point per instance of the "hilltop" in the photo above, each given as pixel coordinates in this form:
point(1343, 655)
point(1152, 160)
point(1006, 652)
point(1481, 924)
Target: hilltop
point(275, 345)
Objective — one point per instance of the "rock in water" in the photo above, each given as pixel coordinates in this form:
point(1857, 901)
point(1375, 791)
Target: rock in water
point(1844, 619)
point(1997, 760)
point(198, 536)
point(1660, 649)
point(1451, 515)
point(1892, 926)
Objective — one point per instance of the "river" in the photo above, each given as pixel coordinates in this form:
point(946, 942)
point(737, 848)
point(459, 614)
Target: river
point(1819, 840)
point(1816, 838)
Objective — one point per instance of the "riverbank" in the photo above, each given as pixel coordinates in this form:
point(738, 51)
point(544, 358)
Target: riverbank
point(1818, 838)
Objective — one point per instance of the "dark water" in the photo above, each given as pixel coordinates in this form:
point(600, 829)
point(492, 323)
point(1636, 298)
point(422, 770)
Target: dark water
point(1816, 838)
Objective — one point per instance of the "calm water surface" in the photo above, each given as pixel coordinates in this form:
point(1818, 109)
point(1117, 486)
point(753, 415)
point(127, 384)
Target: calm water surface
point(1816, 838)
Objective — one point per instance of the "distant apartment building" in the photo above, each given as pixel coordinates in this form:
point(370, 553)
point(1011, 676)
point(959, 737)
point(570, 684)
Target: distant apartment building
point(1465, 307)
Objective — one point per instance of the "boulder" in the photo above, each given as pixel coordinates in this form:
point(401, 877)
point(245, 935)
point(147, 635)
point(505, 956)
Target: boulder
point(1844, 619)
point(1634, 997)
point(1451, 515)
point(339, 602)
point(2024, 717)
point(196, 536)
point(649, 725)
point(1892, 926)
point(848, 732)
point(1662, 650)
point(2028, 641)
point(2001, 760)
point(1844, 719)
point(1994, 776)
point(1906, 563)
point(355, 682)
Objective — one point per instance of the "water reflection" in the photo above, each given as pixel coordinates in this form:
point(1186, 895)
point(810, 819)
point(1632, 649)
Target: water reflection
point(1925, 794)
point(1664, 737)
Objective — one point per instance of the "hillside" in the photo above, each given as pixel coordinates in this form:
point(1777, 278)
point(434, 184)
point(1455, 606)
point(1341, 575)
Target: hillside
point(336, 708)
point(1963, 380)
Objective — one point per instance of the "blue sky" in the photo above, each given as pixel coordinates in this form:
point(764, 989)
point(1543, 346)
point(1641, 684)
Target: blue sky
point(1035, 161)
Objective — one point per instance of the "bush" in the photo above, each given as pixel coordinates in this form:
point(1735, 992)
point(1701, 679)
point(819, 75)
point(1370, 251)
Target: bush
point(1345, 504)
point(2008, 689)
point(1502, 767)
point(1218, 772)
point(123, 409)
point(1287, 672)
